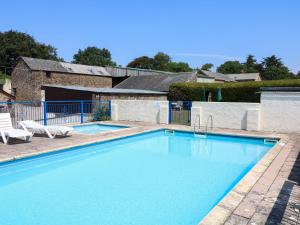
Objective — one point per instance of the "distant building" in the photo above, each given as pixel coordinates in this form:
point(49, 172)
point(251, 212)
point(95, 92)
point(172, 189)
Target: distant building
point(241, 77)
point(31, 74)
point(39, 79)
point(160, 83)
point(221, 78)
point(217, 77)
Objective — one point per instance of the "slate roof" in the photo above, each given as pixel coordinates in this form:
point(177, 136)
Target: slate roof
point(245, 76)
point(105, 90)
point(217, 76)
point(155, 82)
point(63, 67)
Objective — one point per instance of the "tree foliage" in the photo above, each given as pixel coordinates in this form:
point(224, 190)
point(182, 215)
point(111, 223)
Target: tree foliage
point(160, 61)
point(207, 66)
point(15, 44)
point(231, 67)
point(143, 62)
point(251, 65)
point(179, 67)
point(94, 56)
point(272, 68)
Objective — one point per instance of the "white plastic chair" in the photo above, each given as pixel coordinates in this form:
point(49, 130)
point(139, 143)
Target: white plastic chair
point(7, 131)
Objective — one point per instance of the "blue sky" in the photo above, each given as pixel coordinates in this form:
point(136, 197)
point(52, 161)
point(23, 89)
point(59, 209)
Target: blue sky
point(193, 31)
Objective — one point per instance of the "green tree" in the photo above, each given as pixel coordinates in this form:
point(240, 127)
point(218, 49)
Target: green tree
point(231, 67)
point(161, 61)
point(179, 67)
point(207, 66)
point(274, 69)
point(94, 56)
point(15, 44)
point(143, 62)
point(251, 65)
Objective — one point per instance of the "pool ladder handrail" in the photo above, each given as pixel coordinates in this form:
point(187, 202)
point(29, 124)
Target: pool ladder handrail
point(210, 118)
point(195, 123)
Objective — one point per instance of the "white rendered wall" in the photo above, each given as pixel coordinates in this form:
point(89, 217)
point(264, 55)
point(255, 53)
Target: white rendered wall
point(7, 86)
point(280, 111)
point(140, 110)
point(245, 116)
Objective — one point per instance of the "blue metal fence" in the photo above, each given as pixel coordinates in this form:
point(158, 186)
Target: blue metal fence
point(58, 112)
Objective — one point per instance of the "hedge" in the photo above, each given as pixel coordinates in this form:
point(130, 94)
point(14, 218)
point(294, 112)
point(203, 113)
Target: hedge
point(231, 92)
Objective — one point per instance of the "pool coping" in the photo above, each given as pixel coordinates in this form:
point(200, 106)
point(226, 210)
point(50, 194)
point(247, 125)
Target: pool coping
point(122, 127)
point(69, 147)
point(220, 213)
point(228, 204)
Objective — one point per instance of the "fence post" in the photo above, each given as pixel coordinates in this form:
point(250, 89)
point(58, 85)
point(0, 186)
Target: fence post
point(45, 113)
point(109, 109)
point(81, 112)
point(170, 112)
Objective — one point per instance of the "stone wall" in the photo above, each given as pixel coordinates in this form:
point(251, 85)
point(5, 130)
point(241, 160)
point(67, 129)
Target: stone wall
point(27, 84)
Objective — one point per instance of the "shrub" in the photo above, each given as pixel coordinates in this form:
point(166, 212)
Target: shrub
point(231, 92)
point(101, 112)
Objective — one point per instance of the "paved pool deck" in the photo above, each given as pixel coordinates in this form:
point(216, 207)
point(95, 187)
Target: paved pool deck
point(268, 194)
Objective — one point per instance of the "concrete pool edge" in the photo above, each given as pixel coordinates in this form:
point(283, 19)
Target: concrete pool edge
point(228, 205)
point(69, 147)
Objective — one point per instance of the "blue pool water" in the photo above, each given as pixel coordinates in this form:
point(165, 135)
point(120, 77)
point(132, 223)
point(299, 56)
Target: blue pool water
point(152, 178)
point(96, 128)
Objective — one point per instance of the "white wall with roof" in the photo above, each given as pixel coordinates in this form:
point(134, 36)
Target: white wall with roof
point(280, 111)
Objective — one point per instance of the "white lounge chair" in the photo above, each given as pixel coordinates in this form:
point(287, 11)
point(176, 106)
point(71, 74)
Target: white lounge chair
point(7, 131)
point(51, 131)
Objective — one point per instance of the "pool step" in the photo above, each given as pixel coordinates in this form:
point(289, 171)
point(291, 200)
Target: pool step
point(169, 132)
point(270, 141)
point(200, 135)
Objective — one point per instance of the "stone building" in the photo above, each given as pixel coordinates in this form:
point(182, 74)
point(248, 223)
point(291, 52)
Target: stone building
point(31, 74)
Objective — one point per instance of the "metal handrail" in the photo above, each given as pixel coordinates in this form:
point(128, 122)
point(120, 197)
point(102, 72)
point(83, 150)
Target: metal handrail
point(195, 122)
point(210, 118)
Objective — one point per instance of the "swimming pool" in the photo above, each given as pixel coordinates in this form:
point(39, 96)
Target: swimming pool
point(97, 128)
point(156, 178)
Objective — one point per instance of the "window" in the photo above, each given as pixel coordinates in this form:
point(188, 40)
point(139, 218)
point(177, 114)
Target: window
point(48, 74)
point(14, 91)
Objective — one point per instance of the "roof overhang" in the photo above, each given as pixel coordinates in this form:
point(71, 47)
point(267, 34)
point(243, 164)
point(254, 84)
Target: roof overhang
point(105, 90)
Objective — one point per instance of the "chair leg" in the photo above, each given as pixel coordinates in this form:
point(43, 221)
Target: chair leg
point(5, 141)
point(27, 138)
point(49, 134)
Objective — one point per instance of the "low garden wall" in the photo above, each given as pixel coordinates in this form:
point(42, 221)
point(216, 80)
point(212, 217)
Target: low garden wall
point(243, 116)
point(140, 110)
point(280, 111)
point(277, 111)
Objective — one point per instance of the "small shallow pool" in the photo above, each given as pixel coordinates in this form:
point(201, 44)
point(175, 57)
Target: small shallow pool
point(97, 128)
